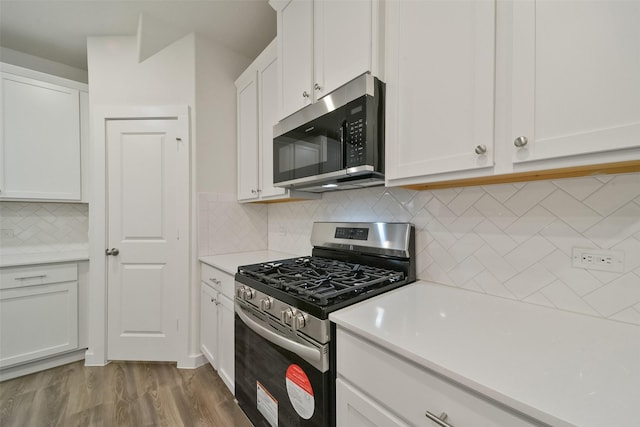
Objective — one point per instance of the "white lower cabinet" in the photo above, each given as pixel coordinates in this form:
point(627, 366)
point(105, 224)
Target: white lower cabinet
point(355, 409)
point(38, 312)
point(217, 321)
point(209, 324)
point(378, 388)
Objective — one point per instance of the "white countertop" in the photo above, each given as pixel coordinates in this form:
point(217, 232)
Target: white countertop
point(18, 260)
point(561, 368)
point(229, 262)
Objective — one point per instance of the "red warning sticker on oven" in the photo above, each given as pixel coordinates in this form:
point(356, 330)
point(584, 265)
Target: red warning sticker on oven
point(300, 391)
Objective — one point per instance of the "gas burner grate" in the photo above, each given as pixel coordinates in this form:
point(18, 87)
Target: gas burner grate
point(321, 280)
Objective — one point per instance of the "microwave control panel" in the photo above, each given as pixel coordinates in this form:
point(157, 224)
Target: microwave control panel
point(357, 138)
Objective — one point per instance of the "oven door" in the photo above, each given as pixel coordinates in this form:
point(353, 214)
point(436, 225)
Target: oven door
point(281, 379)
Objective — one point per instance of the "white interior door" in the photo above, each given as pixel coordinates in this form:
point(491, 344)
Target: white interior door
point(147, 164)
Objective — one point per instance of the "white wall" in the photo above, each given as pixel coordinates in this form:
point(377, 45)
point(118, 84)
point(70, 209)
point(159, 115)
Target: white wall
point(510, 240)
point(25, 60)
point(217, 68)
point(116, 78)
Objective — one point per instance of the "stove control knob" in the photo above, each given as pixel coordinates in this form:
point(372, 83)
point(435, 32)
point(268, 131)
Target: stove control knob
point(248, 294)
point(286, 316)
point(266, 303)
point(298, 322)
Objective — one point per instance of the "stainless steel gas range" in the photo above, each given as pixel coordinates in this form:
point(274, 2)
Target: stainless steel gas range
point(284, 341)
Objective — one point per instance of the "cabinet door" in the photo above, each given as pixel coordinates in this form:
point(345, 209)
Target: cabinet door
point(268, 78)
point(342, 42)
point(209, 324)
point(226, 341)
point(40, 140)
point(353, 409)
point(38, 321)
point(295, 34)
point(440, 87)
point(247, 98)
point(576, 77)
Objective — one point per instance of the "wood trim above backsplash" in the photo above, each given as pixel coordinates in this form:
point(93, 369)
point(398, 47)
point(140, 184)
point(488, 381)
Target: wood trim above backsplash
point(571, 172)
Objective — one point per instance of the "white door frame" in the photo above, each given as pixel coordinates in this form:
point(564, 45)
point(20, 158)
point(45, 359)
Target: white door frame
point(96, 354)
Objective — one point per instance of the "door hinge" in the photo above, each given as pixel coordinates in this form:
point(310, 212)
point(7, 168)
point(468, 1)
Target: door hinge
point(178, 234)
point(177, 325)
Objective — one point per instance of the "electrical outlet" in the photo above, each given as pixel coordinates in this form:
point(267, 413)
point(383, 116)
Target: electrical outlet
point(598, 259)
point(6, 233)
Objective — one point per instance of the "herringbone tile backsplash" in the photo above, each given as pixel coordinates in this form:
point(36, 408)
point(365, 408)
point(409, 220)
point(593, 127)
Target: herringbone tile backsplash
point(509, 240)
point(226, 226)
point(43, 227)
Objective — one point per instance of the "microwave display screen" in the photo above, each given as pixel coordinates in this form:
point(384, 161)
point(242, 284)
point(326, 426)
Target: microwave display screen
point(356, 110)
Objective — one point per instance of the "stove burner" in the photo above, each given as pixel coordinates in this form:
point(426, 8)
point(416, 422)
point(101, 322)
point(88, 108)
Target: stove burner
point(320, 280)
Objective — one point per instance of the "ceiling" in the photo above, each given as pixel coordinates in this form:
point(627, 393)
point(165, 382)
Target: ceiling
point(57, 29)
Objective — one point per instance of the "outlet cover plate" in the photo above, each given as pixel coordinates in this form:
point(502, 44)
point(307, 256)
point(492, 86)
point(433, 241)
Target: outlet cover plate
point(598, 259)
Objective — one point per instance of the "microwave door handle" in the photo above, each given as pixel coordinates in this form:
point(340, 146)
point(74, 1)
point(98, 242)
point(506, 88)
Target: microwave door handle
point(310, 354)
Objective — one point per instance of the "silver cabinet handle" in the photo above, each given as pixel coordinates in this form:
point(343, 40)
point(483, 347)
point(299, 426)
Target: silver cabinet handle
point(113, 252)
point(441, 420)
point(481, 149)
point(305, 94)
point(317, 86)
point(41, 276)
point(214, 280)
point(520, 141)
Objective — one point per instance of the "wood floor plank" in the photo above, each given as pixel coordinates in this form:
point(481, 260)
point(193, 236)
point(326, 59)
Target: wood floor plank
point(133, 394)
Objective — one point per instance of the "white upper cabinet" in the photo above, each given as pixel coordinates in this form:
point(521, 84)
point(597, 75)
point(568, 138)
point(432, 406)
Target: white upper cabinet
point(576, 78)
point(485, 88)
point(257, 98)
point(440, 87)
point(42, 129)
point(247, 103)
point(322, 45)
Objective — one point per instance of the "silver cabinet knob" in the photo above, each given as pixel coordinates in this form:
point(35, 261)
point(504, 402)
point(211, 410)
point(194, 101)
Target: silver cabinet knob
point(520, 141)
point(305, 94)
point(317, 86)
point(481, 149)
point(112, 252)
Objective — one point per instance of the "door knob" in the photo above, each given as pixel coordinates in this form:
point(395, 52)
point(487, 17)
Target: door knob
point(113, 252)
point(481, 149)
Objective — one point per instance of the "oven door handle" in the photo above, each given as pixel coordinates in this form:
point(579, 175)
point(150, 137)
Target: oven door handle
point(308, 353)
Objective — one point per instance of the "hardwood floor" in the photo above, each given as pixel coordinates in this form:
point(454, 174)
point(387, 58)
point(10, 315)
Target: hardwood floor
point(131, 394)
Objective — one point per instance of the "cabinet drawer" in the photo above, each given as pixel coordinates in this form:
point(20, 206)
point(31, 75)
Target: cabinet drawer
point(409, 390)
point(218, 279)
point(15, 277)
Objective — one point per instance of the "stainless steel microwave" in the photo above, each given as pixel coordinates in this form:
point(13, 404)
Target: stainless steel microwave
point(336, 143)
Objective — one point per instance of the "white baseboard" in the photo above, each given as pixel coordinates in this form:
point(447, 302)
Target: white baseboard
point(90, 359)
point(192, 361)
point(40, 365)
